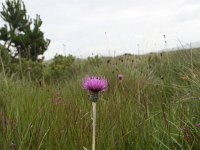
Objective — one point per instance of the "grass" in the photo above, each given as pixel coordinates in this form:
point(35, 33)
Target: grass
point(155, 106)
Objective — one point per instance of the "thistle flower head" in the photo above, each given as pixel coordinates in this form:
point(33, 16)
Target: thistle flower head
point(94, 84)
point(120, 76)
point(18, 46)
point(198, 125)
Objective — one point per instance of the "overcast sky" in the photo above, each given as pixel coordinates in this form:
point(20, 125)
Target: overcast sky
point(86, 27)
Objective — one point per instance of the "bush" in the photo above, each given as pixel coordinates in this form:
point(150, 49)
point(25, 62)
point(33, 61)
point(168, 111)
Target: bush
point(94, 61)
point(4, 57)
point(27, 68)
point(61, 67)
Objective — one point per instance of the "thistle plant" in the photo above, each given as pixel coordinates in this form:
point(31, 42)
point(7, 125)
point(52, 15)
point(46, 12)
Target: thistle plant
point(120, 76)
point(94, 84)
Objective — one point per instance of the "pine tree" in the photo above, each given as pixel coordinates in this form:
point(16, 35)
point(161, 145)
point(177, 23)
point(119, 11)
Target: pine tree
point(21, 35)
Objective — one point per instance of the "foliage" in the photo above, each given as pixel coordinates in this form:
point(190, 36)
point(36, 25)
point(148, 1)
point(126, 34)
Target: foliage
point(22, 35)
point(61, 67)
point(22, 68)
point(142, 111)
point(94, 61)
point(5, 58)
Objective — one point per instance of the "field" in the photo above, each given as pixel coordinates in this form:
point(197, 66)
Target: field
point(155, 106)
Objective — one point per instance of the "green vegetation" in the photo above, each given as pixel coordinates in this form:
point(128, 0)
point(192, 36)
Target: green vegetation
point(155, 106)
point(21, 35)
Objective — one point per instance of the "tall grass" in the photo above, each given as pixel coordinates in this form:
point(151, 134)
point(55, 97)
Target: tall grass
point(155, 106)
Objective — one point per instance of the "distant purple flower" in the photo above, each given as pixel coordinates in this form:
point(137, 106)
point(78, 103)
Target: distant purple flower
point(186, 132)
point(198, 125)
point(95, 83)
point(183, 129)
point(120, 76)
point(18, 46)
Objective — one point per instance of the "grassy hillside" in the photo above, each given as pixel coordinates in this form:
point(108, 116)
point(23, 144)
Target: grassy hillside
point(155, 106)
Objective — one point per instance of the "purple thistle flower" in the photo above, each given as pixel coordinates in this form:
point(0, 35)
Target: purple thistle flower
point(120, 76)
point(198, 125)
point(95, 84)
point(18, 46)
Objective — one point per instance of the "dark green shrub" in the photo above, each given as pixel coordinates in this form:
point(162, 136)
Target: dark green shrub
point(94, 61)
point(27, 68)
point(61, 67)
point(5, 57)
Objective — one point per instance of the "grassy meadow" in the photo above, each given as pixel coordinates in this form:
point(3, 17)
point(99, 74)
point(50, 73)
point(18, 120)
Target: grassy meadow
point(155, 106)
